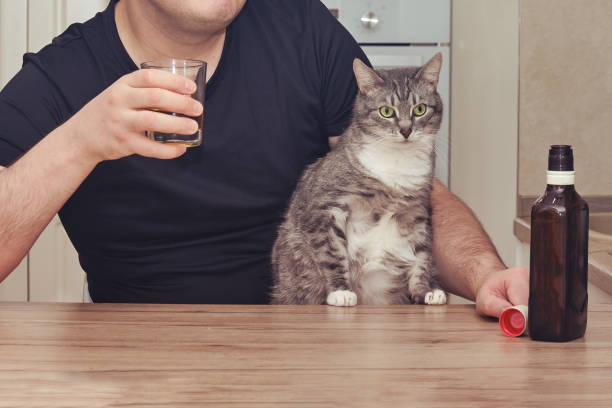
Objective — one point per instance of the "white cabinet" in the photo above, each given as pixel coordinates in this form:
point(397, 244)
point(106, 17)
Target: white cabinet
point(51, 271)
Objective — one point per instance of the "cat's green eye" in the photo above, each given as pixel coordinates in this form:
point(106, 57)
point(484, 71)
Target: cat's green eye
point(386, 112)
point(420, 109)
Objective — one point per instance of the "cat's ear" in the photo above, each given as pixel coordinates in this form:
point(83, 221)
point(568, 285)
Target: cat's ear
point(430, 72)
point(367, 79)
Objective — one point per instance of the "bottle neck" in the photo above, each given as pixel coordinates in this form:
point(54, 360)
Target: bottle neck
point(560, 178)
point(560, 189)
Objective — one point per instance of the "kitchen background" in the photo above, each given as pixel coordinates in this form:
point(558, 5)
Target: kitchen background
point(521, 75)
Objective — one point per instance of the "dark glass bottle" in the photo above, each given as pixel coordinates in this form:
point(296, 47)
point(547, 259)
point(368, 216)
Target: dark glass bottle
point(559, 254)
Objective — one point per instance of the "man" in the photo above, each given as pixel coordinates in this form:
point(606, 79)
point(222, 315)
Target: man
point(199, 226)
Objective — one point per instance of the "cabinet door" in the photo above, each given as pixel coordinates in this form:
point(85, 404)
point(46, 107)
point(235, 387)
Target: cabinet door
point(395, 21)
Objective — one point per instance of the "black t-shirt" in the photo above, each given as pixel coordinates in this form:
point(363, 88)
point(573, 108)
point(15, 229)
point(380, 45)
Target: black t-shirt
point(199, 228)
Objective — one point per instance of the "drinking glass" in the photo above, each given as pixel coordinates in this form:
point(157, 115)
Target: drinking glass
point(194, 70)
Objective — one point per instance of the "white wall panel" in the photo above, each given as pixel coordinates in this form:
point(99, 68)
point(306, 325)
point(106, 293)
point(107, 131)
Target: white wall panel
point(44, 22)
point(13, 43)
point(13, 37)
point(54, 273)
point(484, 116)
point(81, 10)
point(15, 286)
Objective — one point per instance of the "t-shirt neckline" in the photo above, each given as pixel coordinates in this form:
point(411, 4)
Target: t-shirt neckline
point(128, 63)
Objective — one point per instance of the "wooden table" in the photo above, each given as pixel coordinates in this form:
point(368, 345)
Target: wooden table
point(94, 355)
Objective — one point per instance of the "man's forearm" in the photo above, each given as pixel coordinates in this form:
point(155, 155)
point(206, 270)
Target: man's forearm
point(463, 252)
point(33, 189)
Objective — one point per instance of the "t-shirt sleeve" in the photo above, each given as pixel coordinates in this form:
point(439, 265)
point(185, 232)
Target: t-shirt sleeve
point(27, 112)
point(335, 50)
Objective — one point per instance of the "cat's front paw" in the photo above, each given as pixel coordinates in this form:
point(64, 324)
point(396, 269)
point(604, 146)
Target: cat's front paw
point(435, 297)
point(342, 298)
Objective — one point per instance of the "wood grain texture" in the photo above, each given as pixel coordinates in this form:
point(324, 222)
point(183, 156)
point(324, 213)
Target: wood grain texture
point(97, 355)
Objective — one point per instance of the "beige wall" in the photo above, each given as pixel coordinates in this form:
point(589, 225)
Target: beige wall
point(484, 117)
point(566, 90)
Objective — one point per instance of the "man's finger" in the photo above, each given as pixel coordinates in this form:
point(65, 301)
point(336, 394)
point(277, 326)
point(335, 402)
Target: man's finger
point(149, 148)
point(164, 100)
point(155, 78)
point(492, 306)
point(161, 122)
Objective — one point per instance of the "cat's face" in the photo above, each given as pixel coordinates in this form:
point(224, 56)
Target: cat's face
point(398, 107)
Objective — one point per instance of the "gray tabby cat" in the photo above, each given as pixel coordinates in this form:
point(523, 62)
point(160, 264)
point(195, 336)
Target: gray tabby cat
point(358, 228)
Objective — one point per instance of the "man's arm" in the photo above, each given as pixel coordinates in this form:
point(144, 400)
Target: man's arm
point(466, 260)
point(32, 190)
point(110, 126)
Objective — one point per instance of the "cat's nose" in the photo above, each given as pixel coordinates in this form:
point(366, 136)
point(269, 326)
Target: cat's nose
point(406, 132)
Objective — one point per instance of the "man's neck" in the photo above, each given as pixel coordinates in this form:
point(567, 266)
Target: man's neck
point(147, 39)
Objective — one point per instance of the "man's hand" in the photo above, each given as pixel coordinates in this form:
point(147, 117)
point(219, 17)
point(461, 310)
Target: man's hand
point(501, 290)
point(112, 125)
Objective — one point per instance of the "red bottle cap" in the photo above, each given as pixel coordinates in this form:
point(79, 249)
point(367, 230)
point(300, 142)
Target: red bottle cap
point(513, 321)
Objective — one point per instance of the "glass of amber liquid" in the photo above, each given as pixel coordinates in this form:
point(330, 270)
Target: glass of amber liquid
point(194, 70)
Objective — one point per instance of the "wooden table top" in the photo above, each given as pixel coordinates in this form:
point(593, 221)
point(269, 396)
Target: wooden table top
point(94, 355)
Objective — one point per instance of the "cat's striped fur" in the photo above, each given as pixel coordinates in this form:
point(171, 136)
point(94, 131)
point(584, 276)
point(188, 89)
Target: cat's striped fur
point(358, 228)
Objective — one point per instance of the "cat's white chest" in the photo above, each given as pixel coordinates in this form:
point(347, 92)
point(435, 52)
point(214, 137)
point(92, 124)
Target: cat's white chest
point(396, 166)
point(370, 243)
point(372, 246)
